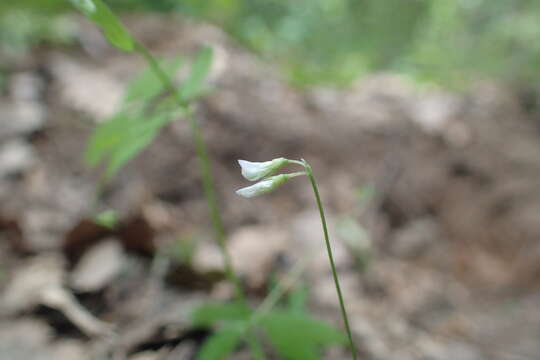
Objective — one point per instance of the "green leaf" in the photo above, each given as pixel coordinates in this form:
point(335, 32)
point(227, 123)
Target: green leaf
point(125, 135)
point(106, 136)
point(147, 84)
point(255, 346)
point(210, 314)
point(297, 299)
point(139, 136)
point(220, 345)
point(120, 139)
point(126, 152)
point(193, 86)
point(101, 15)
point(299, 336)
point(107, 218)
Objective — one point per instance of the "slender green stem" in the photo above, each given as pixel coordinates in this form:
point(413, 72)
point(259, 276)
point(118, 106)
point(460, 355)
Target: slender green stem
point(297, 162)
point(256, 347)
point(209, 192)
point(277, 293)
point(295, 174)
point(309, 172)
point(204, 164)
point(269, 302)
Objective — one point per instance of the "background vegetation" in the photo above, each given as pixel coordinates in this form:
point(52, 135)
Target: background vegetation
point(449, 42)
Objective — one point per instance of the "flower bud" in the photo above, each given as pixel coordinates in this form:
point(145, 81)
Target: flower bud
point(263, 186)
point(257, 170)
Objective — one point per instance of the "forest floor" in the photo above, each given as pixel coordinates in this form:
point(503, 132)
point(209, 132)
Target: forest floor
point(432, 197)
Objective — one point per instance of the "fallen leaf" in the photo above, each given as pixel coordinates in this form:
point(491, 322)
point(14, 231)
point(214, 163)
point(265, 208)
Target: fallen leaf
point(98, 266)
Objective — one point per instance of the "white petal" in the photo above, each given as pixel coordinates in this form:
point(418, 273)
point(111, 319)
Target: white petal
point(262, 187)
point(253, 171)
point(246, 192)
point(256, 189)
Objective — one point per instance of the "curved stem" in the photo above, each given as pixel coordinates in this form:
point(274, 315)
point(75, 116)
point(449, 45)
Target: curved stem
point(309, 172)
point(297, 162)
point(204, 164)
point(295, 174)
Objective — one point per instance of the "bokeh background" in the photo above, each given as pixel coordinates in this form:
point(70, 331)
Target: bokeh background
point(335, 42)
point(420, 118)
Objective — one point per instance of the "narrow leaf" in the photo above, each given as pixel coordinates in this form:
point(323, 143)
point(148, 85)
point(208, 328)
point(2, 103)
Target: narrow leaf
point(209, 314)
point(147, 84)
point(299, 336)
point(122, 138)
point(101, 15)
point(106, 136)
point(193, 86)
point(297, 299)
point(139, 137)
point(220, 345)
point(125, 153)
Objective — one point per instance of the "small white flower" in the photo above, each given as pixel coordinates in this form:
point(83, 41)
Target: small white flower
point(263, 186)
point(257, 170)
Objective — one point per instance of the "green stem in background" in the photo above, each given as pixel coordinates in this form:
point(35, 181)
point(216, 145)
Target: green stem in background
point(204, 164)
point(309, 172)
point(277, 293)
point(268, 304)
point(255, 347)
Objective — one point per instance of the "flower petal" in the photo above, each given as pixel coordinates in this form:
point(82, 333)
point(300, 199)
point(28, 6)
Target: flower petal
point(253, 171)
point(262, 187)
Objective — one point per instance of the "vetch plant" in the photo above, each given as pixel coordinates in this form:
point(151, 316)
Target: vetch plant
point(254, 171)
point(124, 137)
point(152, 100)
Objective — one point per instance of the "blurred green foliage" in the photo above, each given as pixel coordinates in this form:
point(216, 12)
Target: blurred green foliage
point(333, 41)
point(291, 330)
point(145, 111)
point(107, 219)
point(22, 27)
point(100, 14)
point(449, 42)
point(2, 81)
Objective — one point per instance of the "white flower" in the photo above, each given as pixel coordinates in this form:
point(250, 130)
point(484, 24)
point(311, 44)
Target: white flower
point(257, 170)
point(263, 186)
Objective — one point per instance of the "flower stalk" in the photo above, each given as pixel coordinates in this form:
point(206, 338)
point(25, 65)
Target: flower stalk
point(309, 172)
point(259, 170)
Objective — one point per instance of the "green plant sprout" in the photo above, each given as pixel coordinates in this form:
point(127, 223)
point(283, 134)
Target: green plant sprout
point(292, 332)
point(107, 219)
point(259, 170)
point(354, 234)
point(126, 137)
